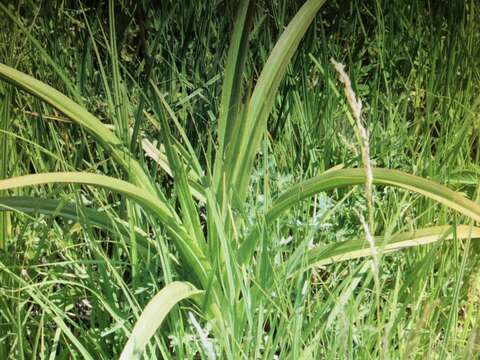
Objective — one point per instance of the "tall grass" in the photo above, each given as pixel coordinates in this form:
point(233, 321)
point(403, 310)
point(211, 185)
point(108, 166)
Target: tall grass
point(97, 269)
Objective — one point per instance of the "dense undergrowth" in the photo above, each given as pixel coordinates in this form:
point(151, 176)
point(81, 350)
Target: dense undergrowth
point(283, 271)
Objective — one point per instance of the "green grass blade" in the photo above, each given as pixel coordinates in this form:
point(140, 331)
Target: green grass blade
point(187, 149)
point(5, 119)
point(82, 117)
point(57, 315)
point(158, 155)
point(354, 249)
point(53, 207)
point(43, 54)
point(263, 96)
point(118, 91)
point(120, 186)
point(153, 315)
point(182, 188)
point(347, 177)
point(101, 67)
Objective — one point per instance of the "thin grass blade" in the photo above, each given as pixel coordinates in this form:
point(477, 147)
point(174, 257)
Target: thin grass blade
point(188, 208)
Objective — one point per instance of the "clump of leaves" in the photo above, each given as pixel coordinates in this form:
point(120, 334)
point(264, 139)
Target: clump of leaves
point(222, 255)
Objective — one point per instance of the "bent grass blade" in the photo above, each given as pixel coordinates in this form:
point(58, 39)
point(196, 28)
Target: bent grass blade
point(153, 315)
point(355, 249)
point(188, 248)
point(348, 177)
point(70, 211)
point(333, 179)
point(82, 117)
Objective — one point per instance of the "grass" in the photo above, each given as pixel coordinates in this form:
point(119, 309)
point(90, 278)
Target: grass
point(242, 236)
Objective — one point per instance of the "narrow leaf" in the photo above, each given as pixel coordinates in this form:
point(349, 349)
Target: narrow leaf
point(69, 211)
point(234, 67)
point(188, 208)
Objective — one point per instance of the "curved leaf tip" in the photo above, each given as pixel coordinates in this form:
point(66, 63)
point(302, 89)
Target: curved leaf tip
point(153, 315)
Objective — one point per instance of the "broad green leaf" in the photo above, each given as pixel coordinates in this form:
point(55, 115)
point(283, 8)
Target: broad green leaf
point(354, 249)
point(242, 156)
point(153, 315)
point(347, 177)
point(232, 83)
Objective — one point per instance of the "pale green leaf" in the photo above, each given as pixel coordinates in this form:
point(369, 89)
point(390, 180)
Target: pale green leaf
point(248, 141)
point(153, 315)
point(354, 249)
